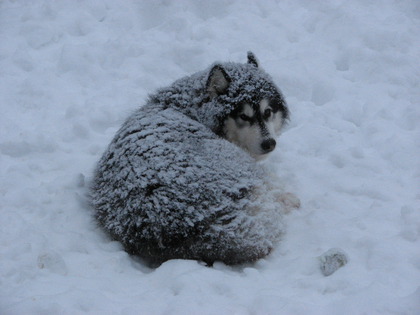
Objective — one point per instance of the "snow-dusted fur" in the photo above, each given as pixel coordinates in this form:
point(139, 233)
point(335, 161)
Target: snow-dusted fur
point(171, 186)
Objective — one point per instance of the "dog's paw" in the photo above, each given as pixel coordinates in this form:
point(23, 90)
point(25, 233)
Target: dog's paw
point(290, 201)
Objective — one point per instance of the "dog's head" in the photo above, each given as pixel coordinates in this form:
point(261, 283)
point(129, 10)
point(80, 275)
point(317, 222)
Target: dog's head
point(257, 108)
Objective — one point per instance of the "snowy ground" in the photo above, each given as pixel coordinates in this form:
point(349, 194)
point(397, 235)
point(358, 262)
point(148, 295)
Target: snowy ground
point(71, 72)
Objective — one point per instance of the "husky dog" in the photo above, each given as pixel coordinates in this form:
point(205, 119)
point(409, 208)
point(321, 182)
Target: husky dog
point(180, 178)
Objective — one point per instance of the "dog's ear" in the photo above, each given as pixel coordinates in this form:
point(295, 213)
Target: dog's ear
point(218, 81)
point(252, 60)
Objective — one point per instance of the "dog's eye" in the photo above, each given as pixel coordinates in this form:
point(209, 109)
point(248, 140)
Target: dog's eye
point(245, 117)
point(267, 113)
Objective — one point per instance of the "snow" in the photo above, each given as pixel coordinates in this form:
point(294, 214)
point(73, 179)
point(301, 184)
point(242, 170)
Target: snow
point(71, 73)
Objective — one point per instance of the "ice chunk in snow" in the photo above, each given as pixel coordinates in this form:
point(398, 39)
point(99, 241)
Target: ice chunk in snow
point(332, 260)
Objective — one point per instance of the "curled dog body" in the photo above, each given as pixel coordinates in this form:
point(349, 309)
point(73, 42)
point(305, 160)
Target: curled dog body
point(180, 178)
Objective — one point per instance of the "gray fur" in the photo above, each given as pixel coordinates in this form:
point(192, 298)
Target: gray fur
point(170, 186)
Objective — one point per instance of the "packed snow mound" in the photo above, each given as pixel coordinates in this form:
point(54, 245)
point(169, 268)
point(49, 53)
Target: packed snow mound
point(169, 186)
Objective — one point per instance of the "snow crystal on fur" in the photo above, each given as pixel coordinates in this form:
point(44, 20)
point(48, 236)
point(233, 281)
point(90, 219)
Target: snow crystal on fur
point(169, 186)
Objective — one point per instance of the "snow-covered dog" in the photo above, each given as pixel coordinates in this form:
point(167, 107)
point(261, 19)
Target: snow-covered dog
point(180, 178)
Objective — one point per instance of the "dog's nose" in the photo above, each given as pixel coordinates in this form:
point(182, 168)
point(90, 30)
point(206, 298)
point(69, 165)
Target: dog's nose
point(268, 145)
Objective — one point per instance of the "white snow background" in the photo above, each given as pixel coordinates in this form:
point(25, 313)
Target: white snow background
point(72, 71)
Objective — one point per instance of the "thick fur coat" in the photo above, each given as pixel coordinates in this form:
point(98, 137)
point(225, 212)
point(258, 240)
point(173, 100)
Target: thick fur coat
point(171, 186)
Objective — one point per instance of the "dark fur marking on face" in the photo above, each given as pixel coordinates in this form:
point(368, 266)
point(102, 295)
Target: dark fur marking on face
point(278, 104)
